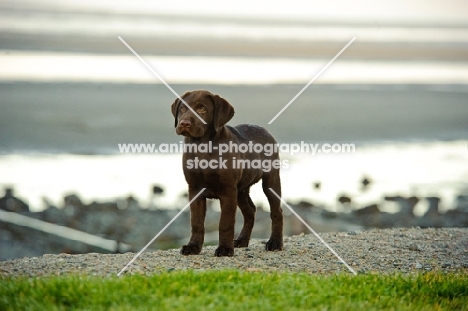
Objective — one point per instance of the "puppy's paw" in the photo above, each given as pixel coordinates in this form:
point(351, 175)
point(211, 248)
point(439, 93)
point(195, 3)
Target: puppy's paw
point(222, 251)
point(274, 245)
point(241, 243)
point(190, 249)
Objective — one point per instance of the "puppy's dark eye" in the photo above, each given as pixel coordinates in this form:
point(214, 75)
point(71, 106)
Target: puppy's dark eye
point(201, 110)
point(183, 109)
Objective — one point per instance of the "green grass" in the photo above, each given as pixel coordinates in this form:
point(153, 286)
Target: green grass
point(234, 290)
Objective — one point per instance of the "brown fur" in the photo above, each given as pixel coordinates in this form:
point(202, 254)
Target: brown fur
point(230, 185)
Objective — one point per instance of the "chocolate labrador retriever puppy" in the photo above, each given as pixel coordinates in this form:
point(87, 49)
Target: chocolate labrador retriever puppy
point(221, 175)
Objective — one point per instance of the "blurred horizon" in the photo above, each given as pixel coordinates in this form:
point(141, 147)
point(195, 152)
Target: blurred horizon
point(398, 42)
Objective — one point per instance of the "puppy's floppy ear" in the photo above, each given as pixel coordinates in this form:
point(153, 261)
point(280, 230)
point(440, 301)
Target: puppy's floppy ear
point(175, 110)
point(175, 107)
point(223, 112)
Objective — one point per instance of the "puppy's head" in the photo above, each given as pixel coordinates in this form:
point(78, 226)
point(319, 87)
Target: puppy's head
point(213, 109)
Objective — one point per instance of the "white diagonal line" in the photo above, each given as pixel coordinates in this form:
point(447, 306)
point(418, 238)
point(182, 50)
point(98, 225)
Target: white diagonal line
point(315, 233)
point(159, 233)
point(313, 79)
point(160, 78)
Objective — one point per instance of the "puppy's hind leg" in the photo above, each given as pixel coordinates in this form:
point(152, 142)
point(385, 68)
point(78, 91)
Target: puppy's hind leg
point(272, 180)
point(248, 209)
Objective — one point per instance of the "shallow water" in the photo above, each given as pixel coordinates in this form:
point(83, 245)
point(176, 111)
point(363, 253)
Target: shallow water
point(421, 169)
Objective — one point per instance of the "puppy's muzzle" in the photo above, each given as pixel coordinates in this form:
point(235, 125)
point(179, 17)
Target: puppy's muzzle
point(185, 123)
point(184, 127)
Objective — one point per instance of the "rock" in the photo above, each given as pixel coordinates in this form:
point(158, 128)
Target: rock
point(462, 203)
point(131, 204)
point(393, 198)
point(406, 204)
point(12, 204)
point(304, 204)
point(368, 210)
point(433, 210)
point(73, 200)
point(455, 218)
point(446, 265)
point(344, 199)
point(365, 183)
point(157, 189)
point(414, 247)
point(328, 214)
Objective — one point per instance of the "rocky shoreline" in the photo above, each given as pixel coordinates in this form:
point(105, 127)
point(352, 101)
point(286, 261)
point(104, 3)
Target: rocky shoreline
point(125, 225)
point(384, 251)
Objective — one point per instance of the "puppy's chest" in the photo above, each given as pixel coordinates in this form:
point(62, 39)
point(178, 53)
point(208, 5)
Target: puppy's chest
point(210, 171)
point(215, 182)
point(209, 163)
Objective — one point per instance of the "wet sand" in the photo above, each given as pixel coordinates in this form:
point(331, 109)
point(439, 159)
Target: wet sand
point(156, 45)
point(93, 118)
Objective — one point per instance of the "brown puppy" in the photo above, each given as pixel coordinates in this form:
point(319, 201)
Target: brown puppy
point(221, 175)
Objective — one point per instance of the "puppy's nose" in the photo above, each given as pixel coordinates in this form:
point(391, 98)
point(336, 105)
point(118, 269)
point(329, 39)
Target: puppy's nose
point(185, 123)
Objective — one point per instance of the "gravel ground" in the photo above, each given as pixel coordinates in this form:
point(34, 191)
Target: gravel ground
point(377, 251)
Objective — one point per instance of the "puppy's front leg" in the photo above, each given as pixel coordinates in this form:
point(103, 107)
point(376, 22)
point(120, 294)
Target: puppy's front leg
point(226, 224)
point(197, 221)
